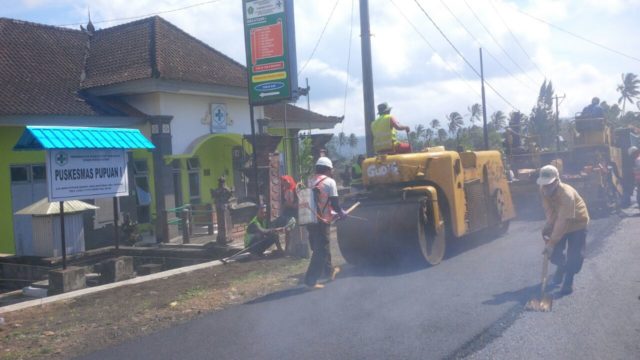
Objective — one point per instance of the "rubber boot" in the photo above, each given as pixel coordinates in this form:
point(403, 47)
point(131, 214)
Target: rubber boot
point(567, 286)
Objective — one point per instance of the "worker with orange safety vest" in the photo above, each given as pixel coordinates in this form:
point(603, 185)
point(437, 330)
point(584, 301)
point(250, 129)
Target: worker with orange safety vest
point(326, 201)
point(384, 130)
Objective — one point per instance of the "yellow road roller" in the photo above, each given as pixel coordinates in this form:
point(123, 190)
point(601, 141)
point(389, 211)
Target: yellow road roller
point(414, 203)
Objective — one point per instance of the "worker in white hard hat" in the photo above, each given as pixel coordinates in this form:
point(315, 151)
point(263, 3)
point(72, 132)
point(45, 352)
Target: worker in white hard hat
point(325, 192)
point(566, 226)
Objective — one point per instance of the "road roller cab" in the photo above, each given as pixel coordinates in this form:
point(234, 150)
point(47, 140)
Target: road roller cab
point(413, 203)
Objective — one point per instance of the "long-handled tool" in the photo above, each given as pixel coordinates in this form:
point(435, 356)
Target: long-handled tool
point(349, 210)
point(290, 225)
point(545, 302)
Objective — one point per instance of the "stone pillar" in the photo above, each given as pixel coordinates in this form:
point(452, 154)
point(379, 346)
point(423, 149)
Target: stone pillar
point(118, 269)
point(265, 145)
point(162, 174)
point(221, 196)
point(70, 279)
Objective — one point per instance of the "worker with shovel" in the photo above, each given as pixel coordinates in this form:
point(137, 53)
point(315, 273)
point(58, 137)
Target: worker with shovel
point(566, 226)
point(259, 237)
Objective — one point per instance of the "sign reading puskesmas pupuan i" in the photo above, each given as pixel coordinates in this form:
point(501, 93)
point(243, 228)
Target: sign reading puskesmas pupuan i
point(86, 174)
point(271, 50)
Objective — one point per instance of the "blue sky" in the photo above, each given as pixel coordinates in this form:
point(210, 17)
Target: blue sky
point(421, 84)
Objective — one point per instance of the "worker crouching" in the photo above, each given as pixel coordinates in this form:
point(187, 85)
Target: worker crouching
point(566, 226)
point(259, 237)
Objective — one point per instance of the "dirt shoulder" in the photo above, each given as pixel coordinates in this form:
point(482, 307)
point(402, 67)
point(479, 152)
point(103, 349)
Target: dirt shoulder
point(85, 324)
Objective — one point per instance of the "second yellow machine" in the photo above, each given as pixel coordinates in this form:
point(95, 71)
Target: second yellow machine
point(414, 203)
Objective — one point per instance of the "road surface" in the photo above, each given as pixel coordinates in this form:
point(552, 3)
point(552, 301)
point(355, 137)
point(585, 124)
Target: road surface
point(471, 305)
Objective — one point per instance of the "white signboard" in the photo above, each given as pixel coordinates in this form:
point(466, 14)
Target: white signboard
point(218, 118)
point(86, 174)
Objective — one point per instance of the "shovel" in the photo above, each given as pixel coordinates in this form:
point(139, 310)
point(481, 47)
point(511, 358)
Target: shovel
point(290, 225)
point(545, 302)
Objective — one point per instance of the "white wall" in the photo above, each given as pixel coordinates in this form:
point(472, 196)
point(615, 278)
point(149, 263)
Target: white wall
point(191, 118)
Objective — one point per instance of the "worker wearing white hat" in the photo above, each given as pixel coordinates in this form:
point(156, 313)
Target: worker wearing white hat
point(326, 200)
point(566, 226)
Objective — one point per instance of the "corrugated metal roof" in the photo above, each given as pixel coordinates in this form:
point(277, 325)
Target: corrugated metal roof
point(44, 207)
point(67, 137)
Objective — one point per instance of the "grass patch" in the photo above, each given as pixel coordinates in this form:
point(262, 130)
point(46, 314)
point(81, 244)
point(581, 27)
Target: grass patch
point(192, 293)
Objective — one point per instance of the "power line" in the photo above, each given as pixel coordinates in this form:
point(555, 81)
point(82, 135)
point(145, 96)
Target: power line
point(516, 39)
point(346, 86)
point(433, 49)
point(496, 41)
point(146, 15)
point(319, 38)
point(462, 56)
point(581, 37)
point(487, 50)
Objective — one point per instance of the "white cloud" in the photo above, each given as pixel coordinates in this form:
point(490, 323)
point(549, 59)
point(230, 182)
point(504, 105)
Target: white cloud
point(417, 81)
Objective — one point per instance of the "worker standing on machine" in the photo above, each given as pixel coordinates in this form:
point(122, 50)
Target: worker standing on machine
point(384, 130)
point(566, 226)
point(325, 192)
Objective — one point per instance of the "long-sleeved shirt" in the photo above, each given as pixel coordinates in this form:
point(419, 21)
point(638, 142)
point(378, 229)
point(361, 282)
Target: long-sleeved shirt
point(565, 212)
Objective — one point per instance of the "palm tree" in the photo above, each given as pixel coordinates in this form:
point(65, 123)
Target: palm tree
point(442, 135)
point(419, 131)
point(342, 139)
point(475, 111)
point(629, 89)
point(353, 141)
point(435, 124)
point(428, 134)
point(498, 120)
point(455, 122)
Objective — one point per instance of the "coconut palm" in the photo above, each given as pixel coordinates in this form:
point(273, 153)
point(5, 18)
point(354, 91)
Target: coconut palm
point(455, 122)
point(419, 131)
point(498, 120)
point(629, 89)
point(442, 135)
point(475, 111)
point(428, 134)
point(342, 139)
point(435, 124)
point(353, 141)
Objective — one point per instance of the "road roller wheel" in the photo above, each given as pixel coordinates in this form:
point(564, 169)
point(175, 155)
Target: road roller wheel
point(431, 238)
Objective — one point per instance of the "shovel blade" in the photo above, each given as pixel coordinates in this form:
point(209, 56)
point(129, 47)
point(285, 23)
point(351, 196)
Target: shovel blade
point(543, 305)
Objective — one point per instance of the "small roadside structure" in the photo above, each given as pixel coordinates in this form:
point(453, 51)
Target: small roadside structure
point(47, 235)
point(84, 163)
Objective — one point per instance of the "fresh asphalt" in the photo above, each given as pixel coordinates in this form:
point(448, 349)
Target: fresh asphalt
point(471, 305)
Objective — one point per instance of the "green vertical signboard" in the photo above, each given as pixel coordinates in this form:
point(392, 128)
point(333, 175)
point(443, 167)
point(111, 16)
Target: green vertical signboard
point(271, 50)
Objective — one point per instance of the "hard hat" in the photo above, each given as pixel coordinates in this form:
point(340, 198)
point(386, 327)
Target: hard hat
point(324, 161)
point(632, 150)
point(548, 174)
point(383, 108)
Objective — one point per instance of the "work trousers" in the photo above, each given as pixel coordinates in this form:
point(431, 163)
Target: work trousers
point(259, 243)
point(320, 263)
point(575, 243)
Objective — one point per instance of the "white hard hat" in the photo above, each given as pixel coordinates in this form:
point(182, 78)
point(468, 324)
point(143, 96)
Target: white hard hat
point(324, 161)
point(548, 174)
point(632, 150)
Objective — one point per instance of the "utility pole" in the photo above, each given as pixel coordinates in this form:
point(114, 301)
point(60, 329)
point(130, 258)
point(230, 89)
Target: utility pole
point(485, 131)
point(558, 121)
point(367, 74)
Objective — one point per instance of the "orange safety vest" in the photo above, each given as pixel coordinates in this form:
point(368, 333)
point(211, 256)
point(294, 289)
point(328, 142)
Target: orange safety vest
point(323, 208)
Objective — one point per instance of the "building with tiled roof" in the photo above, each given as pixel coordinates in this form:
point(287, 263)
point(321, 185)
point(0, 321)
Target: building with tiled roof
point(188, 98)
